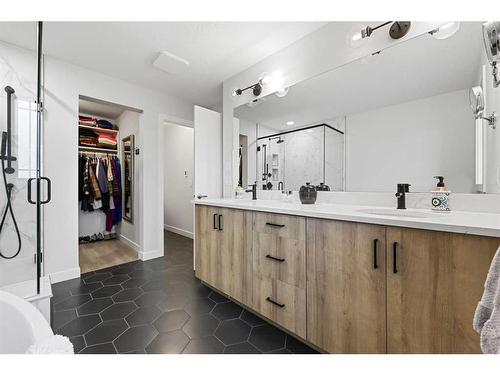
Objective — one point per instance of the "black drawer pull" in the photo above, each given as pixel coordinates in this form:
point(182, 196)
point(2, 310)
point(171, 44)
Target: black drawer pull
point(394, 257)
point(220, 222)
point(274, 258)
point(268, 299)
point(215, 221)
point(276, 225)
point(375, 243)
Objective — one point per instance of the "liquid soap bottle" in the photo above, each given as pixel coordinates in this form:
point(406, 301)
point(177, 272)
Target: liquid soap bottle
point(440, 197)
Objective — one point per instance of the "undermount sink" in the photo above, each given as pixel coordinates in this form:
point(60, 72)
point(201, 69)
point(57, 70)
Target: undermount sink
point(400, 213)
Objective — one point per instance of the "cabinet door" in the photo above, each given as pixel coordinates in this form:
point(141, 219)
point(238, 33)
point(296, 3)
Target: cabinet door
point(235, 244)
point(434, 282)
point(207, 261)
point(346, 301)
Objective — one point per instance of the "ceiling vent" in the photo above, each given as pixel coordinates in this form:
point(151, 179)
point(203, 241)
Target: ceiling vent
point(170, 63)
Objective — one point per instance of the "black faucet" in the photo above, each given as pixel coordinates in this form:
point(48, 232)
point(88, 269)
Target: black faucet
point(402, 189)
point(253, 190)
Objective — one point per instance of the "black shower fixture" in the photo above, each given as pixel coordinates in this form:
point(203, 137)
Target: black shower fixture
point(397, 30)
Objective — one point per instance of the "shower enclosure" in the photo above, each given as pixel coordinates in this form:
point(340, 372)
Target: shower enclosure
point(287, 160)
point(23, 190)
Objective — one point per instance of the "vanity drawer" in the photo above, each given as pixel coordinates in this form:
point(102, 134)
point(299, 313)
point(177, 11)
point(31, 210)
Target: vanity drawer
point(280, 258)
point(287, 226)
point(282, 303)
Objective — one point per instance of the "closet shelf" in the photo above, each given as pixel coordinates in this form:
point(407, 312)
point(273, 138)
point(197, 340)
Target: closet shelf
point(98, 130)
point(97, 149)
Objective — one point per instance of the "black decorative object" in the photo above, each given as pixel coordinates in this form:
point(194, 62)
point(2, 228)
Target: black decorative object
point(322, 187)
point(308, 194)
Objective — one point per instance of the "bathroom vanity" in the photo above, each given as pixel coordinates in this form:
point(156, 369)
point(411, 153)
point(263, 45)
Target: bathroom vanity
point(351, 279)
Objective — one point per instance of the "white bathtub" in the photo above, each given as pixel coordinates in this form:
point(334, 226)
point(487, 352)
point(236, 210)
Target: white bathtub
point(21, 324)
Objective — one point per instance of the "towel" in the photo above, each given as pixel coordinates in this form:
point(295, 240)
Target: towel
point(55, 344)
point(487, 316)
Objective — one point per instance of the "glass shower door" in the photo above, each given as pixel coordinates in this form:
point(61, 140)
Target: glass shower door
point(20, 177)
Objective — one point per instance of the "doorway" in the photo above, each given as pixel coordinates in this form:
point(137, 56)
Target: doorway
point(108, 230)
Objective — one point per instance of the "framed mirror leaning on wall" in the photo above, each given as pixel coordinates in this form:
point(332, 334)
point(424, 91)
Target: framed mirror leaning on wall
point(128, 177)
point(402, 115)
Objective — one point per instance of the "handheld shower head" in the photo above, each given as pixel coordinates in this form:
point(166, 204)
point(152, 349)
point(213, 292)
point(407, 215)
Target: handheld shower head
point(4, 144)
point(476, 100)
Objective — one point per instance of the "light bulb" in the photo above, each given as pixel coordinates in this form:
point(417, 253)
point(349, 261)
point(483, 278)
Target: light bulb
point(282, 92)
point(290, 123)
point(445, 31)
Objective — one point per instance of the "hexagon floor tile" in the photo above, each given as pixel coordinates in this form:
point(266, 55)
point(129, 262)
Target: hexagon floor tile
point(158, 306)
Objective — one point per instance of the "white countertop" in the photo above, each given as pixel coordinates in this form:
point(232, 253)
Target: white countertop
point(484, 224)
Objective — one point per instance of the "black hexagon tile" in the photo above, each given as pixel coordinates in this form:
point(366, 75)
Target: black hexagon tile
point(159, 306)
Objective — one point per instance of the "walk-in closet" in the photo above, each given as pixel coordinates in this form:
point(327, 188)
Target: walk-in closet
point(107, 192)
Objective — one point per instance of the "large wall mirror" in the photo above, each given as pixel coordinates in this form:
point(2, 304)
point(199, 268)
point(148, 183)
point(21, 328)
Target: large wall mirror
point(128, 178)
point(402, 115)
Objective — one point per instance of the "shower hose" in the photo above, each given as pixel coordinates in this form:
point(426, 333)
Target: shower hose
point(8, 208)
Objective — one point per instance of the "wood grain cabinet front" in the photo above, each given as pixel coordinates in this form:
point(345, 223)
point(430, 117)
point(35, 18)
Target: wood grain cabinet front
point(434, 282)
point(223, 250)
point(346, 302)
point(279, 267)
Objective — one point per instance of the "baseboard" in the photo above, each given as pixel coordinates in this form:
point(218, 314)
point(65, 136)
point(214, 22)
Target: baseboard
point(179, 231)
point(147, 255)
point(72, 273)
point(129, 243)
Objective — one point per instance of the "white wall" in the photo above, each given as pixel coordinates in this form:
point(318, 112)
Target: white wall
point(412, 142)
point(249, 129)
point(128, 123)
point(178, 176)
point(63, 83)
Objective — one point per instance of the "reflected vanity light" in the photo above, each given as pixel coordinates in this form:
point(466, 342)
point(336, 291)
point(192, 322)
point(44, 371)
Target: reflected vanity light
point(290, 123)
point(445, 31)
point(274, 82)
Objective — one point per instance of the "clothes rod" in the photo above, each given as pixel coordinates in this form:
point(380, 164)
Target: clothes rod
point(93, 150)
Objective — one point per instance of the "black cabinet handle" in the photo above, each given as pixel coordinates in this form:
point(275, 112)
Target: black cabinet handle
point(394, 257)
point(268, 299)
point(220, 222)
point(276, 225)
point(375, 243)
point(215, 221)
point(274, 258)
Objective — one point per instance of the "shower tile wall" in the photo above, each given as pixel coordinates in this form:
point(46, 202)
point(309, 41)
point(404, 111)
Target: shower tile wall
point(303, 158)
point(17, 69)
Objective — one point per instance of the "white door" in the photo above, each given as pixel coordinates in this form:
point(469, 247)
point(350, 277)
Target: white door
point(207, 153)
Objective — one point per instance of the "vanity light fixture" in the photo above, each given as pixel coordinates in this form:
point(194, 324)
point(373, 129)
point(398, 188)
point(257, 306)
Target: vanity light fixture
point(256, 89)
point(397, 30)
point(491, 36)
point(445, 31)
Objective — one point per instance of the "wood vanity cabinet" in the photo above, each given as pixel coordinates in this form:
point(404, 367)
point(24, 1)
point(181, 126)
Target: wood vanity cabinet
point(346, 300)
point(279, 266)
point(434, 282)
point(348, 287)
point(223, 250)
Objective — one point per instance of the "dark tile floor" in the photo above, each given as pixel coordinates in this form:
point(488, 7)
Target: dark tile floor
point(158, 306)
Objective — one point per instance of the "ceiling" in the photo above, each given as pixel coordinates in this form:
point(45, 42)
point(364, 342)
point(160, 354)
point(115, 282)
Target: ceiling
point(419, 68)
point(125, 50)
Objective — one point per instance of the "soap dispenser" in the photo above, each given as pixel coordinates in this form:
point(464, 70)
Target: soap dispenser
point(440, 197)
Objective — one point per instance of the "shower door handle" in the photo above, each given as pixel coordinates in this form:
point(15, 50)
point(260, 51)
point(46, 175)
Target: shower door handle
point(49, 190)
point(30, 180)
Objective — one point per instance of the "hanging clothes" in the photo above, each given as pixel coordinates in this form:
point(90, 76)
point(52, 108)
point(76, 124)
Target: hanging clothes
point(99, 184)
